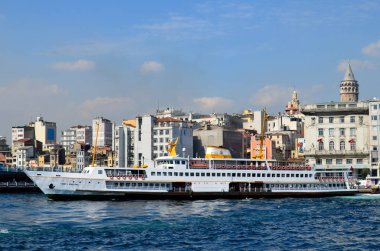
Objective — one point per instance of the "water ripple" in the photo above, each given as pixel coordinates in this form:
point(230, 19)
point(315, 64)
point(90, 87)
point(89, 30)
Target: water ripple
point(34, 223)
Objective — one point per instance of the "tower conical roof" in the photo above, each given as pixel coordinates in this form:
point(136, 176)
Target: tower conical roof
point(349, 76)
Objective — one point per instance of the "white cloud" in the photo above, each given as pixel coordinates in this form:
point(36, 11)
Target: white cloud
point(150, 67)
point(272, 95)
point(372, 49)
point(103, 105)
point(213, 103)
point(79, 65)
point(356, 64)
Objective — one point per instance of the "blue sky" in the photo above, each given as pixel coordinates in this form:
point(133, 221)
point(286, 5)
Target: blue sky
point(70, 61)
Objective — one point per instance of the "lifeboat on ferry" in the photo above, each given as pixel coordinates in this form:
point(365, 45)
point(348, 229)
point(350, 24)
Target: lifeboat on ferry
point(217, 152)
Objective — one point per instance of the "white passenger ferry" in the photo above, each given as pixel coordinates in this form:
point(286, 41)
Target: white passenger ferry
point(174, 177)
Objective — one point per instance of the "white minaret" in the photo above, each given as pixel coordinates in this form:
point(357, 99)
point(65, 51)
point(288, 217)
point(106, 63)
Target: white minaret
point(349, 87)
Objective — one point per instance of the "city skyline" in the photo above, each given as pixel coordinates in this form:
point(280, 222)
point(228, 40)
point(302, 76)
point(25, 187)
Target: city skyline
point(72, 61)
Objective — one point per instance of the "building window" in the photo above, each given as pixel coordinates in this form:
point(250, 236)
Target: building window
point(328, 161)
point(352, 131)
point(167, 132)
point(320, 120)
point(320, 146)
point(349, 161)
point(359, 161)
point(353, 146)
point(374, 137)
point(313, 121)
point(320, 131)
point(341, 119)
point(342, 145)
point(331, 120)
point(373, 117)
point(341, 132)
point(339, 161)
point(374, 107)
point(352, 119)
point(331, 132)
point(331, 145)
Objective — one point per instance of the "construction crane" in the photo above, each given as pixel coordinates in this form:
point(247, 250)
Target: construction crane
point(260, 155)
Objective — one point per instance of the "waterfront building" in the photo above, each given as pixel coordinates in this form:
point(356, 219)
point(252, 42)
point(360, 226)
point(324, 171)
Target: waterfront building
point(374, 137)
point(211, 135)
point(45, 132)
point(153, 134)
point(24, 155)
point(21, 132)
point(76, 134)
point(125, 143)
point(105, 132)
point(337, 133)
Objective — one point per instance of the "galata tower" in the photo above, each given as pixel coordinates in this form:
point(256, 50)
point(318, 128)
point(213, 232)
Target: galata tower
point(349, 87)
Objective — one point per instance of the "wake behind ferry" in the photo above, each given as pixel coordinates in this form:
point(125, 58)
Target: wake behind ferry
point(174, 177)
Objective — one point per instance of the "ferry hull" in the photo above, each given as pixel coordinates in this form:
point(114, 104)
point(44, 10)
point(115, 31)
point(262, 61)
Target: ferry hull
point(194, 195)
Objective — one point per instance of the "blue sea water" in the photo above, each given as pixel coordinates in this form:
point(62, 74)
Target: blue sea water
point(32, 222)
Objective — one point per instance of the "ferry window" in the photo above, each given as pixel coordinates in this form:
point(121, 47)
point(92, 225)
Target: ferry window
point(177, 161)
point(158, 173)
point(233, 174)
point(164, 173)
point(243, 174)
point(183, 162)
point(208, 174)
point(180, 174)
point(278, 175)
point(175, 174)
point(153, 173)
point(133, 184)
point(151, 185)
point(100, 171)
point(238, 175)
point(116, 184)
point(121, 184)
point(301, 175)
point(127, 185)
point(197, 174)
point(218, 174)
point(253, 175)
point(223, 175)
point(248, 175)
point(213, 174)
point(310, 175)
point(283, 175)
point(297, 175)
point(192, 174)
point(259, 175)
point(186, 174)
point(273, 175)
point(170, 174)
point(268, 174)
point(170, 161)
point(287, 175)
point(292, 175)
point(228, 175)
point(202, 174)
point(139, 184)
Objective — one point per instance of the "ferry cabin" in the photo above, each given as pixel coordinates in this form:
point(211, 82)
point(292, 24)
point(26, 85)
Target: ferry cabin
point(223, 175)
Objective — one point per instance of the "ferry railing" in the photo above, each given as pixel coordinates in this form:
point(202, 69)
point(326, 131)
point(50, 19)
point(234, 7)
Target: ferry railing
point(17, 184)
